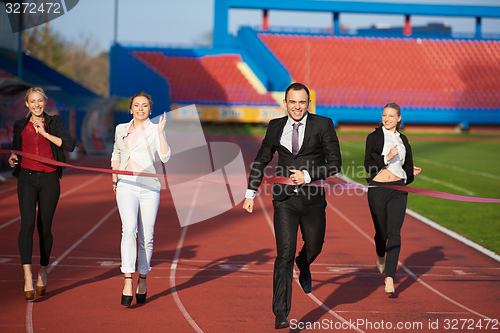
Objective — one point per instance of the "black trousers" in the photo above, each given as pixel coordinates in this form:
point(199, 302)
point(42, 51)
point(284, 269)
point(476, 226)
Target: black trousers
point(388, 209)
point(34, 188)
point(289, 214)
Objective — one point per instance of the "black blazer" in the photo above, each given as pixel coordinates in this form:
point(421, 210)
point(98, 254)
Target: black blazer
point(319, 155)
point(374, 160)
point(55, 127)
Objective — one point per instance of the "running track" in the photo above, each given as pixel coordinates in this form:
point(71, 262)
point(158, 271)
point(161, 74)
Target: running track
point(216, 276)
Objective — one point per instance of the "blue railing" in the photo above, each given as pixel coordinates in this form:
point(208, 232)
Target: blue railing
point(357, 97)
point(376, 33)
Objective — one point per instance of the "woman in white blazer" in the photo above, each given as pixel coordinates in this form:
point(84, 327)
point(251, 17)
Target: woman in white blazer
point(137, 144)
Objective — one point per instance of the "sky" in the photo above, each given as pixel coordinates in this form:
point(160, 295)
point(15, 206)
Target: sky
point(188, 22)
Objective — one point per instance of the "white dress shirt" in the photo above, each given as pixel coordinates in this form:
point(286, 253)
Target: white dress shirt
point(286, 141)
point(395, 165)
point(141, 151)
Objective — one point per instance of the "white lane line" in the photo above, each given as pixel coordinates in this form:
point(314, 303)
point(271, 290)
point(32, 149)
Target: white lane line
point(474, 268)
point(13, 188)
point(316, 300)
point(266, 214)
point(173, 269)
point(11, 221)
point(184, 261)
point(435, 225)
point(173, 266)
point(262, 272)
point(468, 171)
point(82, 185)
point(404, 312)
point(94, 228)
point(269, 273)
point(449, 185)
point(29, 309)
point(453, 234)
point(441, 294)
point(409, 272)
point(29, 317)
point(76, 188)
point(29, 306)
point(459, 272)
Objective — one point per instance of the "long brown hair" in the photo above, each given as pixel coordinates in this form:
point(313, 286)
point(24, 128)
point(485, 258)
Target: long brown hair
point(398, 110)
point(142, 94)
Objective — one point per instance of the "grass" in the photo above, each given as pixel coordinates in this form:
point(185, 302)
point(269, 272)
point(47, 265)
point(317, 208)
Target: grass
point(468, 168)
point(234, 128)
point(465, 168)
point(260, 129)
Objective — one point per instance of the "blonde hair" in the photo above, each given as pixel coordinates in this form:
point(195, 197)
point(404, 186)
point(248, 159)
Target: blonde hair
point(32, 90)
point(38, 90)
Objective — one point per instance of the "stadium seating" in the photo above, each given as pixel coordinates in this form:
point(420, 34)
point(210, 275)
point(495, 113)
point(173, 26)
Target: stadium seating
point(368, 71)
point(208, 79)
point(5, 75)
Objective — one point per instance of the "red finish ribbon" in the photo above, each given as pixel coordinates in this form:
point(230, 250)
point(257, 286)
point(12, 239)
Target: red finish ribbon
point(281, 180)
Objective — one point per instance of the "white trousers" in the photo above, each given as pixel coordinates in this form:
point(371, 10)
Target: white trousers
point(138, 206)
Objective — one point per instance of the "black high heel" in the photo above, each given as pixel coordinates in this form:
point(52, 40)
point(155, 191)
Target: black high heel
point(127, 300)
point(141, 298)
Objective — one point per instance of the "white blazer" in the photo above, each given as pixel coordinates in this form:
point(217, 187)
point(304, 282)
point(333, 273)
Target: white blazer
point(143, 151)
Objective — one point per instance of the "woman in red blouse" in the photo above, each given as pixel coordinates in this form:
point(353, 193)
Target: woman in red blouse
point(38, 183)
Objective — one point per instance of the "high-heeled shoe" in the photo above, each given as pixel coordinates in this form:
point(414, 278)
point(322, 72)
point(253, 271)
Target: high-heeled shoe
point(29, 295)
point(380, 263)
point(127, 300)
point(40, 290)
point(141, 298)
point(389, 291)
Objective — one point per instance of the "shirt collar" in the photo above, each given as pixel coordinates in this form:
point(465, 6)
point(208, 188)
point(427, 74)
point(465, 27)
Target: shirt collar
point(290, 121)
point(390, 132)
point(145, 124)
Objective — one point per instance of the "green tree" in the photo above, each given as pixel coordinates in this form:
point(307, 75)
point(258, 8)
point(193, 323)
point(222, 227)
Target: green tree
point(44, 44)
point(80, 59)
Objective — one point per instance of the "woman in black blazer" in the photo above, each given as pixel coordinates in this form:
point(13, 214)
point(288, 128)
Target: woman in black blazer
point(389, 161)
point(38, 183)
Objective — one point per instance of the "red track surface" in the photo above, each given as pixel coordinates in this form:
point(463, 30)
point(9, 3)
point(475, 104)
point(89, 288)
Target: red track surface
point(222, 280)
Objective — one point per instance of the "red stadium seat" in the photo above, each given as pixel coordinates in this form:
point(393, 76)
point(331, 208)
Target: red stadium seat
point(415, 72)
point(213, 79)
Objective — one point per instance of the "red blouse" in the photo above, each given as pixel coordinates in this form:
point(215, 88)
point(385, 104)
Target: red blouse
point(36, 144)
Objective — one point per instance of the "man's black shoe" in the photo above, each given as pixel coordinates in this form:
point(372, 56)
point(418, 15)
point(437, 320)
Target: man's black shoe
point(305, 279)
point(281, 322)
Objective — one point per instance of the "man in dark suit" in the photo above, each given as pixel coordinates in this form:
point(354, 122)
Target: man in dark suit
point(308, 151)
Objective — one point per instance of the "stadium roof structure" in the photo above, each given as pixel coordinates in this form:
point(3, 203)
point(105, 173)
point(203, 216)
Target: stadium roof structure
point(222, 7)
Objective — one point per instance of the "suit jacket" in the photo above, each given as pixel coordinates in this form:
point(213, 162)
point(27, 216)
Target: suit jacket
point(319, 155)
point(55, 127)
point(143, 151)
point(374, 161)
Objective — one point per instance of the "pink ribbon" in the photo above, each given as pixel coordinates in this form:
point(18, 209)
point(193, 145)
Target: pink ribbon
point(280, 180)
